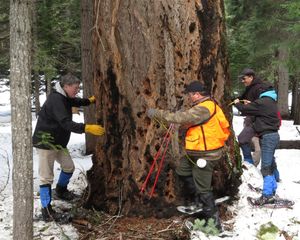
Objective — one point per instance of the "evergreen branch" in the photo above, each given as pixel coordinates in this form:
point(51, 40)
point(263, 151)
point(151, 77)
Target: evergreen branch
point(47, 140)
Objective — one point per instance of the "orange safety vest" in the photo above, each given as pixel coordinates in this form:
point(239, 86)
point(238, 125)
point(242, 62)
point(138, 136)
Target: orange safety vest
point(211, 134)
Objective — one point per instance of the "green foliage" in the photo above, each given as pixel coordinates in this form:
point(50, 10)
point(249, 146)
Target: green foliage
point(267, 231)
point(4, 36)
point(58, 37)
point(209, 228)
point(47, 140)
point(256, 30)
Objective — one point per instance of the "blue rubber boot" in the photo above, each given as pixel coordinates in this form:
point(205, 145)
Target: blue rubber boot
point(48, 214)
point(269, 186)
point(64, 179)
point(45, 195)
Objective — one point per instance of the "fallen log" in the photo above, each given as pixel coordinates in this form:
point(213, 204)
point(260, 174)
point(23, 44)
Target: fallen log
point(289, 144)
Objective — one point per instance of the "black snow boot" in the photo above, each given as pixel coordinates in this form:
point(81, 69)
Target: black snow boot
point(210, 209)
point(64, 194)
point(189, 191)
point(48, 214)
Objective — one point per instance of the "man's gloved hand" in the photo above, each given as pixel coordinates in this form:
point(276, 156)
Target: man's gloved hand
point(151, 112)
point(75, 110)
point(92, 99)
point(94, 129)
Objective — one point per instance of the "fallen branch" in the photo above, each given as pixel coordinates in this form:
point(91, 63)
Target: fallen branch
point(82, 222)
point(298, 130)
point(167, 229)
point(286, 235)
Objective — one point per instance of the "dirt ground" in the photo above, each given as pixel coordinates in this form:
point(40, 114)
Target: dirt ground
point(97, 225)
point(137, 228)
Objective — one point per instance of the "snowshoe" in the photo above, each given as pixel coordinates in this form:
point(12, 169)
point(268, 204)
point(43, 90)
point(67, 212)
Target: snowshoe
point(270, 202)
point(196, 208)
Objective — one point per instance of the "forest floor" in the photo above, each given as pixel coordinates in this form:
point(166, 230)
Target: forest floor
point(113, 228)
point(99, 225)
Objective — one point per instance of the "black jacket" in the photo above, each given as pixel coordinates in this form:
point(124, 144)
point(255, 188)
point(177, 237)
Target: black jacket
point(265, 112)
point(55, 118)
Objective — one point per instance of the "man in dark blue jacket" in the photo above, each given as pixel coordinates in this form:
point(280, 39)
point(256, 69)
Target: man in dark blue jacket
point(51, 136)
point(266, 125)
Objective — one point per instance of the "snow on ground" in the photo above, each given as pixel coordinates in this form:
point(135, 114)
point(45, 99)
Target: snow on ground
point(246, 222)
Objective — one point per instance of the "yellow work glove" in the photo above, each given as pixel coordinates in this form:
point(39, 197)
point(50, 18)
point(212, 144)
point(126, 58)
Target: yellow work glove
point(94, 129)
point(92, 99)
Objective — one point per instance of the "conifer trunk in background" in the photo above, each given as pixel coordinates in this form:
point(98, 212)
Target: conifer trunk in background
point(144, 54)
point(36, 77)
point(36, 93)
point(87, 67)
point(20, 84)
point(283, 83)
point(48, 85)
point(296, 100)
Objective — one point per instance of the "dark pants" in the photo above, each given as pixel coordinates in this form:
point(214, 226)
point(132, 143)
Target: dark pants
point(202, 176)
point(268, 144)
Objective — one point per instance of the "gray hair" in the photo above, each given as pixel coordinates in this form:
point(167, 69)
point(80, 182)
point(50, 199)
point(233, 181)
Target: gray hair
point(69, 79)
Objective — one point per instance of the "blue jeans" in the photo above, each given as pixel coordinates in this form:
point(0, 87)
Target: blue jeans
point(246, 149)
point(268, 144)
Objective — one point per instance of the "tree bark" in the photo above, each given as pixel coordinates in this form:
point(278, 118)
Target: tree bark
point(297, 111)
point(145, 52)
point(296, 100)
point(37, 93)
point(48, 85)
point(20, 79)
point(87, 67)
point(36, 77)
point(283, 83)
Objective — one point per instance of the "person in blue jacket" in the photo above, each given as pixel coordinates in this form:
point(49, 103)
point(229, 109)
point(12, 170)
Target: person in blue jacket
point(266, 125)
point(51, 136)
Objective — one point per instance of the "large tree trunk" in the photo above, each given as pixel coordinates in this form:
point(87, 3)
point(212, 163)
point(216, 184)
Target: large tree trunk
point(295, 110)
point(20, 79)
point(87, 67)
point(283, 83)
point(37, 93)
point(145, 52)
point(296, 101)
point(36, 77)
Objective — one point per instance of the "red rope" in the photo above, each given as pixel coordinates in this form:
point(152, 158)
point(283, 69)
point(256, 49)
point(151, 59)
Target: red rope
point(160, 165)
point(166, 141)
